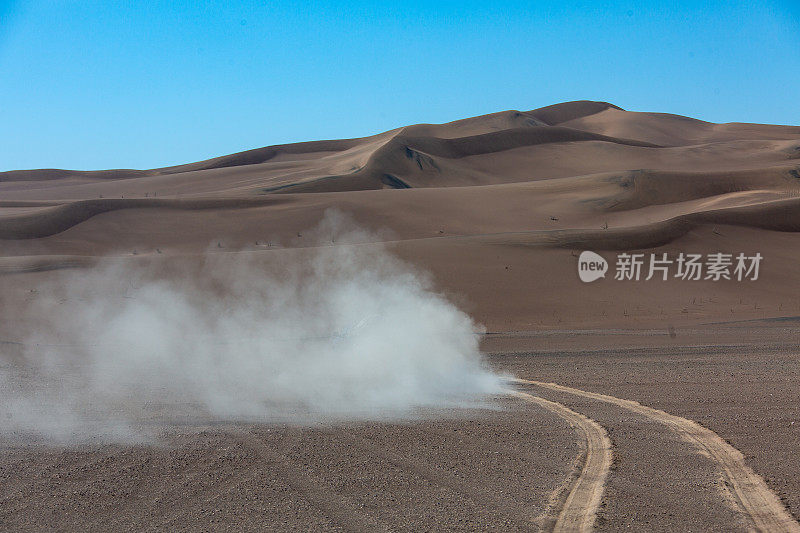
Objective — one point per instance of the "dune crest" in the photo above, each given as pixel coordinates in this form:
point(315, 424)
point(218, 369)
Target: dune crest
point(510, 197)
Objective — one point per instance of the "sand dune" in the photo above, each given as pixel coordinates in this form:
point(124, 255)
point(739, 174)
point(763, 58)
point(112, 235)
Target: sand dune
point(478, 201)
point(406, 153)
point(55, 219)
point(592, 157)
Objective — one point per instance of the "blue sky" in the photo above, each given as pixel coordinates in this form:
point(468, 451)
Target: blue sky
point(92, 85)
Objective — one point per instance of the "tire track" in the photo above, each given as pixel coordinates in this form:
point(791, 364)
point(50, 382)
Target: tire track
point(347, 514)
point(755, 499)
point(579, 505)
point(501, 504)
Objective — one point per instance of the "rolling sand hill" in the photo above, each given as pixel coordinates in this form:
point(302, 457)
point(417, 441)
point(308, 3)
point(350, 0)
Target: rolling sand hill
point(496, 206)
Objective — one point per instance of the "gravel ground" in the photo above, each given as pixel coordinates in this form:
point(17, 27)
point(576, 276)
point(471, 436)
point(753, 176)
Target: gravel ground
point(749, 395)
point(486, 469)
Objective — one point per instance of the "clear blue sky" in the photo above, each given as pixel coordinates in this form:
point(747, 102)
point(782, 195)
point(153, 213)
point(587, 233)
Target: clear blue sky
point(92, 85)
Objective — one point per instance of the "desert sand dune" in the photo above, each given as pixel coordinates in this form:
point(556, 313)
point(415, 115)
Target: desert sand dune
point(491, 219)
point(403, 152)
point(675, 130)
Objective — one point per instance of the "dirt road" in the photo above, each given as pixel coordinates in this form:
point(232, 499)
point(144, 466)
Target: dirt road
point(749, 491)
point(579, 503)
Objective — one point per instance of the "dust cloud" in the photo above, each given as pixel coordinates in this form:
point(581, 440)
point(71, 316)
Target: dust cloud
point(338, 331)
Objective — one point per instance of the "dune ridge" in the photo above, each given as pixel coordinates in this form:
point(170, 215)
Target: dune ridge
point(577, 174)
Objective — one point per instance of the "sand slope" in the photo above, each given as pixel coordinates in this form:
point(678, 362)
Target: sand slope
point(493, 205)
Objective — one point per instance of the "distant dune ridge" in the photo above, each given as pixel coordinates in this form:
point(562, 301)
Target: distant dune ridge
point(482, 191)
point(649, 158)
